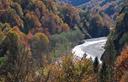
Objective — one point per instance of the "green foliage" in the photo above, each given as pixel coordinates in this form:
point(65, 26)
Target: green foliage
point(103, 73)
point(40, 18)
point(19, 68)
point(115, 51)
point(18, 9)
point(12, 36)
point(16, 65)
point(39, 47)
point(12, 12)
point(124, 39)
point(40, 41)
point(96, 65)
point(74, 72)
point(65, 41)
point(2, 36)
point(5, 27)
point(71, 36)
point(106, 73)
point(2, 61)
point(10, 42)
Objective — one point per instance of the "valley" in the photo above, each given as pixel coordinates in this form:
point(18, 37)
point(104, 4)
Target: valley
point(63, 40)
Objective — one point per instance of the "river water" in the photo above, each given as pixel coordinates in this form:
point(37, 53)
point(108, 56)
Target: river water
point(91, 47)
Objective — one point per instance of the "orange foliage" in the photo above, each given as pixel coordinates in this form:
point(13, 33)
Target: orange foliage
point(122, 60)
point(72, 11)
point(21, 36)
point(122, 65)
point(18, 21)
point(45, 13)
point(32, 16)
point(65, 70)
point(65, 27)
point(41, 6)
point(124, 77)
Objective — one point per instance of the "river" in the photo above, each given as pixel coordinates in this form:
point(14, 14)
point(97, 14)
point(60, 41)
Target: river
point(91, 47)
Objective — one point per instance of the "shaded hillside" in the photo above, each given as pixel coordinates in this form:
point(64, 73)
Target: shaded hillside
point(118, 37)
point(74, 2)
point(95, 24)
point(106, 9)
point(115, 55)
point(100, 16)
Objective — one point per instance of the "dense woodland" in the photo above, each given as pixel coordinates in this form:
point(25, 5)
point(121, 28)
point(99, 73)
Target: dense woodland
point(36, 38)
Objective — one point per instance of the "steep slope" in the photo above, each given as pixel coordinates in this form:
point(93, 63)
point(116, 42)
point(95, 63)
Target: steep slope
point(38, 15)
point(95, 24)
point(118, 37)
point(115, 56)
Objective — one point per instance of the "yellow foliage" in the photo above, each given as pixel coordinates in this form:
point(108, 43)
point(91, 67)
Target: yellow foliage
point(65, 27)
point(18, 21)
point(121, 65)
point(32, 16)
point(13, 34)
point(41, 37)
point(120, 18)
point(66, 70)
point(99, 20)
point(2, 36)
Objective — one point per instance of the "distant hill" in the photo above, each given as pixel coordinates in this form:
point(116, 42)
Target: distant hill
point(75, 2)
point(109, 7)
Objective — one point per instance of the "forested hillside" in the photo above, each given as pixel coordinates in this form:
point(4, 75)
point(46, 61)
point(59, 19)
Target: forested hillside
point(30, 18)
point(115, 56)
point(74, 2)
point(33, 34)
point(37, 36)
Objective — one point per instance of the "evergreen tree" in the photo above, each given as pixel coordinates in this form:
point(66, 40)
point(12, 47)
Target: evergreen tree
point(96, 65)
point(103, 73)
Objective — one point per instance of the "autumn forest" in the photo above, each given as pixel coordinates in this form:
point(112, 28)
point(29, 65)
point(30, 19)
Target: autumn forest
point(37, 38)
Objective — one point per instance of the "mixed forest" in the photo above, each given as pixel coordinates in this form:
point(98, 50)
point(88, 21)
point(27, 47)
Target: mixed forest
point(36, 38)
